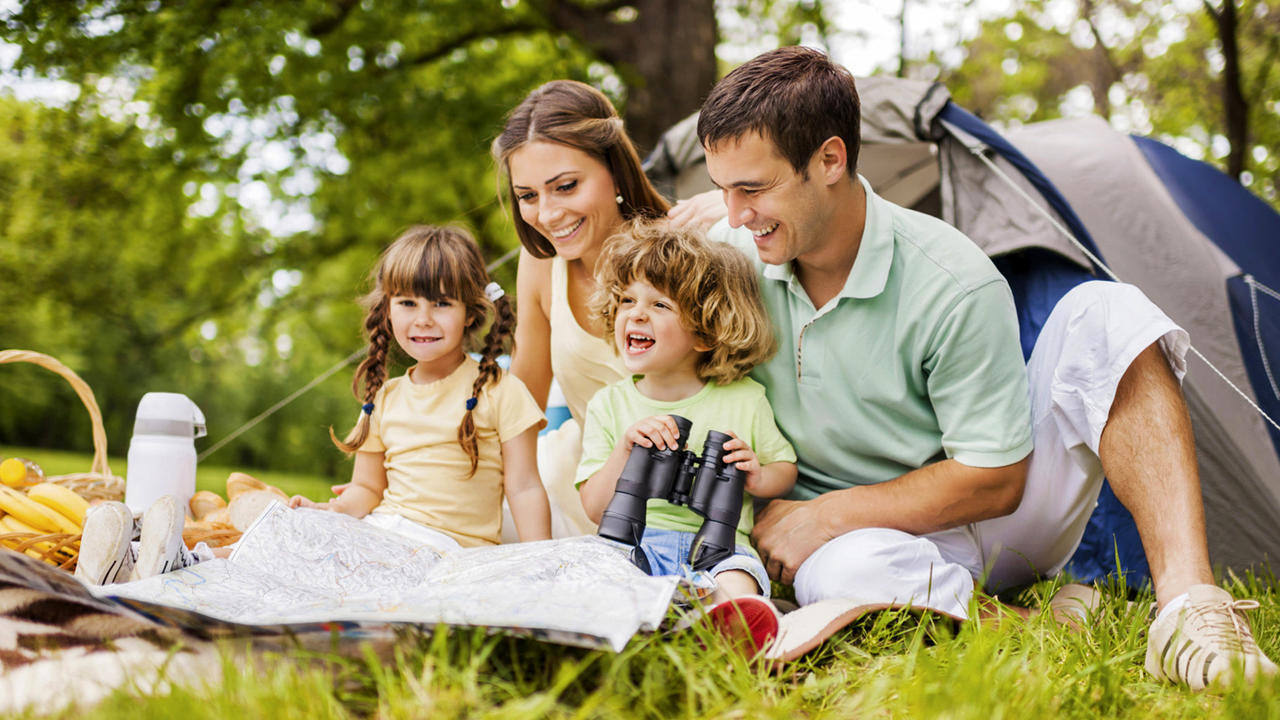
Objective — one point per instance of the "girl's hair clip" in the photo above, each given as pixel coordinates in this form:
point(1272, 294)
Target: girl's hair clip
point(471, 403)
point(367, 408)
point(493, 291)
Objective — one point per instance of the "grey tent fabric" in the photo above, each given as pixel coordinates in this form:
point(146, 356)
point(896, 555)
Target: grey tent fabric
point(915, 159)
point(1147, 241)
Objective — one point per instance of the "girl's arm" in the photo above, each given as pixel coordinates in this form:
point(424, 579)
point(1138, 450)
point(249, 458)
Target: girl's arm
point(523, 487)
point(531, 359)
point(362, 494)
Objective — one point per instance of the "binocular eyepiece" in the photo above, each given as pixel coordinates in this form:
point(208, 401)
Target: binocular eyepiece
point(708, 486)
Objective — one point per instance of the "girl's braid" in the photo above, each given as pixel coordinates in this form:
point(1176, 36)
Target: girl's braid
point(494, 343)
point(372, 373)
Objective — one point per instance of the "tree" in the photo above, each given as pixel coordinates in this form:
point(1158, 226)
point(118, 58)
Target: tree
point(107, 269)
point(1200, 78)
point(299, 139)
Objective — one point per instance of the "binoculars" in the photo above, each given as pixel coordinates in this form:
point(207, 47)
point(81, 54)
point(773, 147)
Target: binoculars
point(708, 486)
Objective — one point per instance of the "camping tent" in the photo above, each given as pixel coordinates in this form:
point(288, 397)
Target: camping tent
point(1202, 248)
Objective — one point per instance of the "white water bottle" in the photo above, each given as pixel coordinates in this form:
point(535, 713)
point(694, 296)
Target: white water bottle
point(162, 453)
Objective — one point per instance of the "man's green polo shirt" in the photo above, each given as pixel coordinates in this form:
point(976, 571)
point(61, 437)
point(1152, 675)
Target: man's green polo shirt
point(916, 360)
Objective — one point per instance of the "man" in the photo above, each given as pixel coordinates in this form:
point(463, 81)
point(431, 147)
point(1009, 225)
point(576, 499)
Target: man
point(899, 380)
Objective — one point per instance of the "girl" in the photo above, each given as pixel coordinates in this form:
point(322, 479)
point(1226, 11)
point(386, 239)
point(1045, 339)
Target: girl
point(437, 448)
point(688, 323)
point(571, 178)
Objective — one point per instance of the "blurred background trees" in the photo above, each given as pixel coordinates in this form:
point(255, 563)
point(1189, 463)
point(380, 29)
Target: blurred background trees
point(199, 212)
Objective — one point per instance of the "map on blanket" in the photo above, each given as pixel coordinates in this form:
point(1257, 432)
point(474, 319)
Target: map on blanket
point(311, 566)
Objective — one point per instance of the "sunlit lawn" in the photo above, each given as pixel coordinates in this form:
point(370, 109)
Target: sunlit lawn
point(892, 665)
point(208, 476)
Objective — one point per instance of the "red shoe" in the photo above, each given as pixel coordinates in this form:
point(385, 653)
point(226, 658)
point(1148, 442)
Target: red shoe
point(751, 621)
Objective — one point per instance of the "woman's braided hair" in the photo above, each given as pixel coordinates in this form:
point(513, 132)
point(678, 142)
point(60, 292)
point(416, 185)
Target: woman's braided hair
point(432, 263)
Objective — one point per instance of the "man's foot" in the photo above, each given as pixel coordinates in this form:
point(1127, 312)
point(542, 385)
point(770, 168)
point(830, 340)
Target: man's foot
point(1206, 642)
point(160, 548)
point(751, 621)
point(106, 553)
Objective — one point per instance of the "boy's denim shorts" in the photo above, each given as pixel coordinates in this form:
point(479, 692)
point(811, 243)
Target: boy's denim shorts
point(668, 554)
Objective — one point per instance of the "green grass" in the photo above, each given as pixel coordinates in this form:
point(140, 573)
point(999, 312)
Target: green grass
point(208, 477)
point(889, 665)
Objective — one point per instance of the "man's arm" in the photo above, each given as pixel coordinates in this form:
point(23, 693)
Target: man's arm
point(936, 497)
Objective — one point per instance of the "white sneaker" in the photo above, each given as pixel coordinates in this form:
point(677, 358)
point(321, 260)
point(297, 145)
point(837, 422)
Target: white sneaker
point(106, 553)
point(160, 546)
point(1206, 642)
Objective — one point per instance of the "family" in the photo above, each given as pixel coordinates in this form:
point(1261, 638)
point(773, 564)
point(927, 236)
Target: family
point(863, 357)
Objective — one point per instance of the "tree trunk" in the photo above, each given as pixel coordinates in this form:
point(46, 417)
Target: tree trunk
point(664, 50)
point(1235, 108)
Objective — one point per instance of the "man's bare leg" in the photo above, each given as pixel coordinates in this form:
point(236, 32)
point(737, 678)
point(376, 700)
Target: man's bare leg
point(1148, 454)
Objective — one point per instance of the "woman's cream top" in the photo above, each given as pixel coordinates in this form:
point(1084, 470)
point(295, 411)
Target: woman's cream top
point(581, 361)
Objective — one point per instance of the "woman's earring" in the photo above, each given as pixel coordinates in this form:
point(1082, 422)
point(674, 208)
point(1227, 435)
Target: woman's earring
point(618, 198)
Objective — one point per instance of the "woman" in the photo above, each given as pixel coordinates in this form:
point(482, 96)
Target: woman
point(573, 177)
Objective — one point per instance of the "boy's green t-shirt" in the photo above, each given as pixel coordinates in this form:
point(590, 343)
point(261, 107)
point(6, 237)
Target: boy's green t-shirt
point(739, 407)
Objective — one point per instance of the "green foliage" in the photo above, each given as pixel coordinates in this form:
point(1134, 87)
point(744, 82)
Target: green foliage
point(250, 161)
point(1148, 66)
point(106, 268)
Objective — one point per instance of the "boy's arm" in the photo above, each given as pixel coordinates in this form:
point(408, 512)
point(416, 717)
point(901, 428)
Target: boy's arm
point(598, 490)
point(522, 486)
point(658, 431)
point(776, 480)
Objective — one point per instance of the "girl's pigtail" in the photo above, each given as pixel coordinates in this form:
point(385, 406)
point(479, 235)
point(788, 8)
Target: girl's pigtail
point(372, 373)
point(494, 343)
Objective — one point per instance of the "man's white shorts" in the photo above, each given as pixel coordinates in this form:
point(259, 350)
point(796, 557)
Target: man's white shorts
point(1088, 342)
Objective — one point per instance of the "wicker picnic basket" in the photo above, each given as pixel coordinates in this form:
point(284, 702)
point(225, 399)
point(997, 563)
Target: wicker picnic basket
point(62, 549)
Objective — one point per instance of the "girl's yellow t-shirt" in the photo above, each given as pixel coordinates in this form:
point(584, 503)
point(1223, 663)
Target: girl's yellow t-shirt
point(416, 427)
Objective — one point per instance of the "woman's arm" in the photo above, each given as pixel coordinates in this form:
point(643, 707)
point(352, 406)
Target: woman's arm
point(523, 487)
point(531, 359)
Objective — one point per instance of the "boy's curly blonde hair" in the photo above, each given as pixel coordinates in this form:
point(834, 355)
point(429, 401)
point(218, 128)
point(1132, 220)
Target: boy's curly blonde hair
point(713, 284)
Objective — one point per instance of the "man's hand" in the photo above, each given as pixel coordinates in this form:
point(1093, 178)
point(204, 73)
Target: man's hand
point(786, 533)
point(700, 211)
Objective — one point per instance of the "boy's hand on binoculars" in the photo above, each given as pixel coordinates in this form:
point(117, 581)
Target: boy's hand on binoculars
point(740, 454)
point(658, 431)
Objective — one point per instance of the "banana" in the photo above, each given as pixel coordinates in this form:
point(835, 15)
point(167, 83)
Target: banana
point(33, 513)
point(62, 499)
point(12, 524)
point(38, 550)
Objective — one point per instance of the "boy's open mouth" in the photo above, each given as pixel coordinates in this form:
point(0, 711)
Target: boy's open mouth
point(638, 342)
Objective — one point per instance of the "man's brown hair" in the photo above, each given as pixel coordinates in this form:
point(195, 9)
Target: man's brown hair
point(794, 96)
